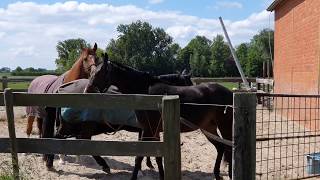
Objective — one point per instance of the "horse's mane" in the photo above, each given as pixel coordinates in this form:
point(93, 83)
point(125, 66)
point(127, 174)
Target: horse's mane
point(128, 68)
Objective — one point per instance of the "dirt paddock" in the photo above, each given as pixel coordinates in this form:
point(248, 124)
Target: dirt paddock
point(276, 159)
point(197, 156)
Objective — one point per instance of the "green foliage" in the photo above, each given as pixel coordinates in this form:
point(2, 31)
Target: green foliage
point(197, 54)
point(68, 52)
point(6, 177)
point(151, 49)
point(32, 72)
point(144, 47)
point(220, 53)
point(259, 52)
point(5, 70)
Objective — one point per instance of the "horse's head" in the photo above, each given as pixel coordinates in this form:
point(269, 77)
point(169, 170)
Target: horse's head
point(99, 80)
point(89, 60)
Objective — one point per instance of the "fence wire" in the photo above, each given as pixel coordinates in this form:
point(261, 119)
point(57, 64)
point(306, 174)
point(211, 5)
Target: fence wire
point(288, 137)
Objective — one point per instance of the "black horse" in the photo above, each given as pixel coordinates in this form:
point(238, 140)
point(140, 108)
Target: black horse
point(85, 130)
point(210, 114)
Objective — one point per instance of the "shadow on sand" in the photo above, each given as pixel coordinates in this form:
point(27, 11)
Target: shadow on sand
point(125, 171)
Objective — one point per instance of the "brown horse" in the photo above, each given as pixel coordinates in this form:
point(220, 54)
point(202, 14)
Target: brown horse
point(206, 115)
point(82, 68)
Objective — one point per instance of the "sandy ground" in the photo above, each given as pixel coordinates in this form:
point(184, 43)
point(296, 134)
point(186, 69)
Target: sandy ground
point(283, 158)
point(197, 156)
point(275, 159)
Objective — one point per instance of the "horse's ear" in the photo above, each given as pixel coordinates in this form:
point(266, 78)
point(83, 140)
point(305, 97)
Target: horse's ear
point(95, 47)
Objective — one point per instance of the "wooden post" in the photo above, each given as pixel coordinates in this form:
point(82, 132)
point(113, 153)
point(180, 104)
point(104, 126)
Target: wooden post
point(244, 136)
point(171, 137)
point(264, 69)
point(8, 101)
point(268, 69)
point(4, 82)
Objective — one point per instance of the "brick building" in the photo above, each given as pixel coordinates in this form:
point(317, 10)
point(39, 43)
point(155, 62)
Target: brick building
point(297, 46)
point(297, 54)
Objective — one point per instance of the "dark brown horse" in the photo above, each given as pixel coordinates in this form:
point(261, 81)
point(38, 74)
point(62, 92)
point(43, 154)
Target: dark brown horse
point(82, 68)
point(86, 129)
point(210, 114)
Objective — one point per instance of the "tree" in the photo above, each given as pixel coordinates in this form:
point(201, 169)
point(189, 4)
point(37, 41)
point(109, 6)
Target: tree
point(144, 47)
point(68, 52)
point(242, 54)
point(220, 53)
point(196, 56)
point(5, 69)
point(18, 69)
point(260, 50)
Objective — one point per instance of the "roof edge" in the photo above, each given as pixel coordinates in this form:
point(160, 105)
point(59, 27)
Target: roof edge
point(274, 5)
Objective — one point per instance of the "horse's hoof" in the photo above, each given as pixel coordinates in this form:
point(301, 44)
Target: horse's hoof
point(140, 174)
point(106, 170)
point(50, 169)
point(218, 177)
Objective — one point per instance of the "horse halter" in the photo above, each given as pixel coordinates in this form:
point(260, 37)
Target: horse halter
point(89, 69)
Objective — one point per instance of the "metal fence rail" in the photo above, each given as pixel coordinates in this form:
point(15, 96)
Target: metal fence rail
point(286, 134)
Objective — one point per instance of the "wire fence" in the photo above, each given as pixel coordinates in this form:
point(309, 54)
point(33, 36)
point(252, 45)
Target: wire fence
point(287, 137)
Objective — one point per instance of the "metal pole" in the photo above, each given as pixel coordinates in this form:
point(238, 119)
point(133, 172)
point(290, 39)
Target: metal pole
point(245, 82)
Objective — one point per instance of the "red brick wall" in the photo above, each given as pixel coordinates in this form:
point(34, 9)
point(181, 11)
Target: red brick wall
point(297, 57)
point(296, 66)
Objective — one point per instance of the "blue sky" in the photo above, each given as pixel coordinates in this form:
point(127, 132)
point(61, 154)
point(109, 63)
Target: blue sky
point(29, 30)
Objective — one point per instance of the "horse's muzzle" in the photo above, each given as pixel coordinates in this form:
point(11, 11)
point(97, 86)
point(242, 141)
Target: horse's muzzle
point(93, 68)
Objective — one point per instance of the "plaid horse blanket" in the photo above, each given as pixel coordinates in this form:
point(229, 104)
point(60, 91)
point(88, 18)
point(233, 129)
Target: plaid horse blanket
point(43, 84)
point(100, 115)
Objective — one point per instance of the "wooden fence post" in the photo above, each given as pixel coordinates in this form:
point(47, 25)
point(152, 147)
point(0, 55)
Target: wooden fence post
point(4, 82)
point(244, 136)
point(8, 101)
point(171, 137)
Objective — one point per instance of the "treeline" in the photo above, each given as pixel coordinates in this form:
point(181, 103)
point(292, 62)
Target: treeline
point(151, 49)
point(32, 72)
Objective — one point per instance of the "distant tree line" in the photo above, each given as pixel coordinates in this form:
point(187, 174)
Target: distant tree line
point(151, 49)
point(32, 71)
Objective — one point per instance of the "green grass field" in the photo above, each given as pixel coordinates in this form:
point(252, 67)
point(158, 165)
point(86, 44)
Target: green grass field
point(16, 85)
point(6, 177)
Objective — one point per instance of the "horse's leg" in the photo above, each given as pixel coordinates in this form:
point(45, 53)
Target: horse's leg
point(39, 125)
point(137, 167)
point(160, 167)
point(103, 164)
point(148, 163)
point(220, 150)
point(105, 167)
point(48, 132)
point(30, 125)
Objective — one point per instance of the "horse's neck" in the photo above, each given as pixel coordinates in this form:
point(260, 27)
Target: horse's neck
point(75, 72)
point(132, 83)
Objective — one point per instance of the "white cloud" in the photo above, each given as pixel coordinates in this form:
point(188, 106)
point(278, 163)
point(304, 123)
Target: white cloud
point(228, 4)
point(30, 31)
point(2, 34)
point(155, 1)
point(24, 51)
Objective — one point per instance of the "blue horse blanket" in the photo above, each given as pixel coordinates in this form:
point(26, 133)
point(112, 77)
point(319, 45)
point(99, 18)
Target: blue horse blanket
point(101, 115)
point(107, 116)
